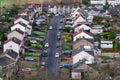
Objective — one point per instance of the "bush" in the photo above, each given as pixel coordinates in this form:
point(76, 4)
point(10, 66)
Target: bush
point(67, 47)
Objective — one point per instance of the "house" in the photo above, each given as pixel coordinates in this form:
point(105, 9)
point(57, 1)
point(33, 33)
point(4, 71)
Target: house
point(11, 54)
point(83, 42)
point(80, 70)
point(7, 66)
point(19, 26)
point(80, 18)
point(106, 44)
point(82, 26)
point(21, 19)
point(75, 12)
point(23, 27)
point(82, 34)
point(37, 6)
point(97, 29)
point(14, 44)
point(79, 55)
point(16, 33)
point(112, 2)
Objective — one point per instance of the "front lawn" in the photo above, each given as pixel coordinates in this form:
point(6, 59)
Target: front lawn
point(39, 32)
point(66, 70)
point(36, 46)
point(32, 54)
point(36, 38)
point(63, 60)
point(67, 47)
point(67, 38)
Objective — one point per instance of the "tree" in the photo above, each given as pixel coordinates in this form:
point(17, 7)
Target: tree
point(116, 46)
point(112, 35)
point(85, 1)
point(106, 6)
point(1, 35)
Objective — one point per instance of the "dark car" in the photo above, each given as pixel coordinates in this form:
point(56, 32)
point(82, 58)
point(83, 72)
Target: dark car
point(59, 34)
point(58, 37)
point(35, 35)
point(44, 53)
point(31, 50)
point(37, 28)
point(68, 52)
point(61, 21)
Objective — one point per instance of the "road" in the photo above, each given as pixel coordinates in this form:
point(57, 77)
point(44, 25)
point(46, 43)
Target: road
point(51, 37)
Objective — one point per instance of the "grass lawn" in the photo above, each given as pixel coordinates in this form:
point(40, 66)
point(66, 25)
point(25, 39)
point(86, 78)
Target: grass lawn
point(40, 32)
point(36, 38)
point(66, 70)
point(105, 57)
point(36, 46)
point(63, 60)
point(35, 55)
point(67, 37)
point(67, 47)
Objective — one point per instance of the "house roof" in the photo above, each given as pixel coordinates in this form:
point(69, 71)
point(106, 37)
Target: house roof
point(23, 24)
point(114, 10)
point(80, 39)
point(17, 30)
point(4, 61)
point(77, 51)
point(23, 17)
point(106, 41)
point(14, 39)
point(11, 53)
point(81, 23)
point(82, 31)
point(36, 3)
point(83, 67)
point(78, 70)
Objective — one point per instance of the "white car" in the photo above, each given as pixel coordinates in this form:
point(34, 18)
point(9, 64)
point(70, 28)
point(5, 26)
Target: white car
point(46, 44)
point(33, 41)
point(57, 55)
point(50, 27)
point(27, 69)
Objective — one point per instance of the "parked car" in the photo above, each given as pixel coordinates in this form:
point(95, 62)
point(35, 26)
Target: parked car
point(34, 41)
point(44, 53)
point(50, 27)
point(46, 45)
point(29, 58)
point(35, 35)
point(67, 65)
point(57, 44)
point(31, 50)
point(60, 27)
point(27, 70)
point(59, 33)
point(36, 28)
point(58, 37)
point(57, 55)
point(67, 52)
point(43, 63)
point(61, 21)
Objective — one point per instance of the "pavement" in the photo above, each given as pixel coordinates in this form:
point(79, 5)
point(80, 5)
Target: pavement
point(52, 62)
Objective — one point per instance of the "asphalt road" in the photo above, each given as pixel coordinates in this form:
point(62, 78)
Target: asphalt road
point(51, 37)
